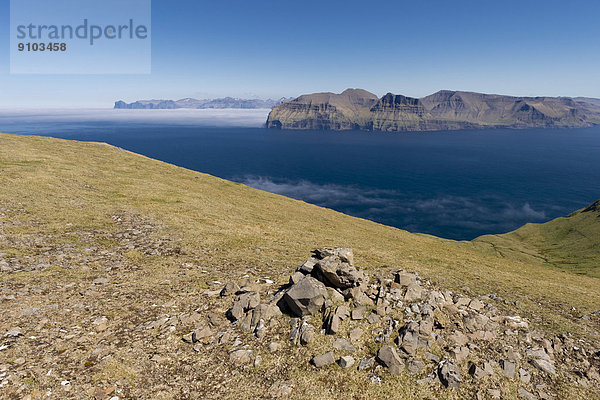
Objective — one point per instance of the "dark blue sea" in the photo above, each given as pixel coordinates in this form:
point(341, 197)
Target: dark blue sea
point(456, 185)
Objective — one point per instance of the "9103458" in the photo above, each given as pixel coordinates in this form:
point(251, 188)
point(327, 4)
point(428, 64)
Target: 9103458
point(42, 46)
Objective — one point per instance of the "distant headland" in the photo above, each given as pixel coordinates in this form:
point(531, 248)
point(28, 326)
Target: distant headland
point(444, 110)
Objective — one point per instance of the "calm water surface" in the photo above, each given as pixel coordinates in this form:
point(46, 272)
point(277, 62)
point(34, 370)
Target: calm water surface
point(455, 185)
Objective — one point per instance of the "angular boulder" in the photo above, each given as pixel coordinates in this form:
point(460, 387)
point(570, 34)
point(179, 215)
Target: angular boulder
point(449, 374)
point(336, 273)
point(343, 253)
point(388, 357)
point(305, 297)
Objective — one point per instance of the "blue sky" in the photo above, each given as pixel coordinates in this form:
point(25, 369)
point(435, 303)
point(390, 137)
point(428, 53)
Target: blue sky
point(286, 48)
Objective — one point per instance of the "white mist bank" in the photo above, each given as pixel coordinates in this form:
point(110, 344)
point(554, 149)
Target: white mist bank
point(205, 117)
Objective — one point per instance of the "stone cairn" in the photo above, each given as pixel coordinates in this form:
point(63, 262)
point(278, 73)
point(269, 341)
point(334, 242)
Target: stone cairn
point(434, 334)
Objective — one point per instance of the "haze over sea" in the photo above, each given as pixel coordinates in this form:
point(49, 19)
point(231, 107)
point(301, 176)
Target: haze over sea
point(457, 185)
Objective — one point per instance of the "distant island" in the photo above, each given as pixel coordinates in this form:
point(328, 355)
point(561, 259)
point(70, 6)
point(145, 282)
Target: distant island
point(444, 110)
point(226, 102)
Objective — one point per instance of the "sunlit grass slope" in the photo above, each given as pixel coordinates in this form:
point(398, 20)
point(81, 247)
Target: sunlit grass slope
point(570, 243)
point(69, 185)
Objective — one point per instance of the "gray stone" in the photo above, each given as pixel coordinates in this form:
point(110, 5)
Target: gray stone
point(538, 354)
point(544, 365)
point(414, 366)
point(241, 357)
point(388, 357)
point(478, 372)
point(323, 360)
point(307, 333)
point(346, 361)
point(334, 295)
point(229, 289)
point(405, 278)
point(359, 313)
point(344, 345)
point(334, 272)
point(308, 266)
point(242, 304)
point(410, 339)
point(495, 393)
point(356, 334)
point(373, 318)
point(458, 338)
point(508, 368)
point(305, 297)
point(342, 312)
point(281, 389)
point(296, 277)
point(13, 332)
point(413, 292)
point(524, 375)
point(459, 353)
point(343, 253)
point(476, 305)
point(366, 363)
point(449, 374)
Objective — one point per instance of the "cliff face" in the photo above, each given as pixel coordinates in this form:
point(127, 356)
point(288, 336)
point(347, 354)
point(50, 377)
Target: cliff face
point(444, 110)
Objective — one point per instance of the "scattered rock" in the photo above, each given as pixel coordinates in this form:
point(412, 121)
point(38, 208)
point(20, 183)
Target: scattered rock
point(343, 345)
point(306, 297)
point(524, 375)
point(229, 289)
point(449, 374)
point(388, 357)
point(281, 389)
point(323, 360)
point(508, 368)
point(366, 363)
point(405, 278)
point(413, 292)
point(13, 332)
point(359, 313)
point(414, 367)
point(355, 334)
point(346, 361)
point(241, 357)
point(544, 365)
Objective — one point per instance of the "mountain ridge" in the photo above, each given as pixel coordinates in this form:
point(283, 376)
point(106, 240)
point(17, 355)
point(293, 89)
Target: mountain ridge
point(188, 102)
point(443, 110)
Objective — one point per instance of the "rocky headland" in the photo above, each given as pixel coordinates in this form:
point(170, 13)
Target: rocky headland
point(444, 110)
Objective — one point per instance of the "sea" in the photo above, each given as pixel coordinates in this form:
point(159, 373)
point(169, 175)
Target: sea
point(452, 184)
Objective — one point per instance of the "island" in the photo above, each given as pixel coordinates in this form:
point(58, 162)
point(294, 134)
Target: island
point(225, 102)
point(357, 109)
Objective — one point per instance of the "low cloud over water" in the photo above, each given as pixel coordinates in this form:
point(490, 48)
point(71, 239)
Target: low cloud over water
point(202, 117)
point(461, 216)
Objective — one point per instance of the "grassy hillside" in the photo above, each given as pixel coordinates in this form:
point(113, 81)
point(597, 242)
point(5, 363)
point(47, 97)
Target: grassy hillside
point(570, 243)
point(89, 231)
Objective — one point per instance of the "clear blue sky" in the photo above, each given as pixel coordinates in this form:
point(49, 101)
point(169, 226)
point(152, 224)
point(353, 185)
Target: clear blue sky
point(285, 48)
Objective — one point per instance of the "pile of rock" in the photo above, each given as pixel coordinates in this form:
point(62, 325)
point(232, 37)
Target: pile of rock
point(420, 329)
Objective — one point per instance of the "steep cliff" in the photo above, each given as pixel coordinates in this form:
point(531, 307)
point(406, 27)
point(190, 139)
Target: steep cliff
point(444, 110)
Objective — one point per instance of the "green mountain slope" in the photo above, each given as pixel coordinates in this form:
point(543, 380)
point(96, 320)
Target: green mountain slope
point(571, 243)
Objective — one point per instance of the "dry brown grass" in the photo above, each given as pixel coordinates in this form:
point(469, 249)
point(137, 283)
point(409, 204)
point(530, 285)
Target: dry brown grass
point(227, 229)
